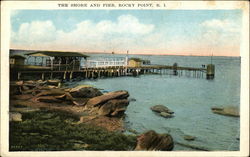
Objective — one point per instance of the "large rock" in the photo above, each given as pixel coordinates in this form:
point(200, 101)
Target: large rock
point(161, 108)
point(227, 111)
point(84, 92)
point(166, 115)
point(53, 82)
point(189, 137)
point(15, 116)
point(115, 107)
point(19, 83)
point(51, 92)
point(154, 141)
point(99, 100)
point(49, 99)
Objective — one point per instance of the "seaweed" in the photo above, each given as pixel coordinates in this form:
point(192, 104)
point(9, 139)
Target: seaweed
point(55, 131)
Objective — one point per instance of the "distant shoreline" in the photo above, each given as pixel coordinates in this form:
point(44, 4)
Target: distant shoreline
point(142, 54)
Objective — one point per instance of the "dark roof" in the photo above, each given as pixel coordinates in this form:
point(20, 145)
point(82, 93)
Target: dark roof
point(17, 56)
point(136, 59)
point(57, 54)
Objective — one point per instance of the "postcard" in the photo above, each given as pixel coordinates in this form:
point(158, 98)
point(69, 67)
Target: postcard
point(125, 78)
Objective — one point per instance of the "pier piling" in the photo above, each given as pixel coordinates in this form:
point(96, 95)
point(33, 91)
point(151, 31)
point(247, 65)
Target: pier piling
point(210, 71)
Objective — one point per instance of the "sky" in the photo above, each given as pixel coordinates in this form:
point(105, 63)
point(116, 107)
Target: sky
point(174, 32)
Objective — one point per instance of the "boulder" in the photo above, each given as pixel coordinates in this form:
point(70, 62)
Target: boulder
point(53, 82)
point(22, 97)
point(161, 108)
point(25, 88)
point(29, 85)
point(19, 83)
point(30, 82)
point(166, 115)
point(115, 108)
point(189, 138)
point(51, 92)
point(84, 92)
point(49, 99)
point(52, 87)
point(154, 141)
point(80, 101)
point(66, 96)
point(227, 111)
point(131, 99)
point(15, 116)
point(99, 100)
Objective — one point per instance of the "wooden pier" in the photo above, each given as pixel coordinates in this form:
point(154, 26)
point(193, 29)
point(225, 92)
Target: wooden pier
point(104, 72)
point(67, 66)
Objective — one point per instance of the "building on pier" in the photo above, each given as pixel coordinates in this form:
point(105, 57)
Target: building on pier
point(134, 62)
point(56, 60)
point(16, 60)
point(137, 62)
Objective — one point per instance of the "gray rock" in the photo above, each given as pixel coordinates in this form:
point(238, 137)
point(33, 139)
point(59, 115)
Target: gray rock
point(99, 100)
point(227, 111)
point(131, 99)
point(115, 108)
point(53, 82)
point(15, 116)
point(49, 99)
point(154, 141)
point(51, 92)
point(189, 138)
point(84, 92)
point(161, 108)
point(166, 115)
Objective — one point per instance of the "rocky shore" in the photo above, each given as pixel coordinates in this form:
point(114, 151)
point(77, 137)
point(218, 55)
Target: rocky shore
point(87, 105)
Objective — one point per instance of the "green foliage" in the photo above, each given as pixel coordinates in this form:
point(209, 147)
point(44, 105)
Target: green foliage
point(51, 131)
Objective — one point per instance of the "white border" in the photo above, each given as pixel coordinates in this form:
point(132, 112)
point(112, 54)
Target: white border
point(6, 6)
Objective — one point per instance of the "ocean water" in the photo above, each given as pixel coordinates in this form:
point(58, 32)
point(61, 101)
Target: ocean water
point(190, 98)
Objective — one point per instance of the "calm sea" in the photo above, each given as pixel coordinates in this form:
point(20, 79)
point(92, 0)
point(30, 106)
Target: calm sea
point(190, 98)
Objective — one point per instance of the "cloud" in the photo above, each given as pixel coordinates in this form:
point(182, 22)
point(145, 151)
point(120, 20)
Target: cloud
point(225, 25)
point(221, 32)
point(87, 34)
point(128, 33)
point(35, 32)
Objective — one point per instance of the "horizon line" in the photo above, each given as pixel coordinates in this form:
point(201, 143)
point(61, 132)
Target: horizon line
point(143, 54)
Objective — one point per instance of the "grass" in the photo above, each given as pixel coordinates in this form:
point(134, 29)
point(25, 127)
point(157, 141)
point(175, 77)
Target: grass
point(53, 131)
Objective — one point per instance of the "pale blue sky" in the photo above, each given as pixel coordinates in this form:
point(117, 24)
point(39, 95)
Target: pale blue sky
point(165, 25)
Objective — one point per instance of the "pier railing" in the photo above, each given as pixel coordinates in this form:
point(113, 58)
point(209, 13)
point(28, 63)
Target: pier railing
point(105, 62)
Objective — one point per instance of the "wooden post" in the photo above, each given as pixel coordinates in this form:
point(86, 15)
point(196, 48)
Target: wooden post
point(64, 75)
point(99, 73)
point(42, 76)
point(210, 71)
point(42, 61)
point(80, 59)
point(59, 64)
point(51, 59)
point(86, 74)
point(51, 75)
point(71, 75)
point(19, 75)
point(66, 63)
point(73, 68)
point(35, 60)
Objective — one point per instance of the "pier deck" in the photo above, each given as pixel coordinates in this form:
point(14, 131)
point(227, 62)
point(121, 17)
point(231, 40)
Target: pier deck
point(100, 72)
point(70, 65)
